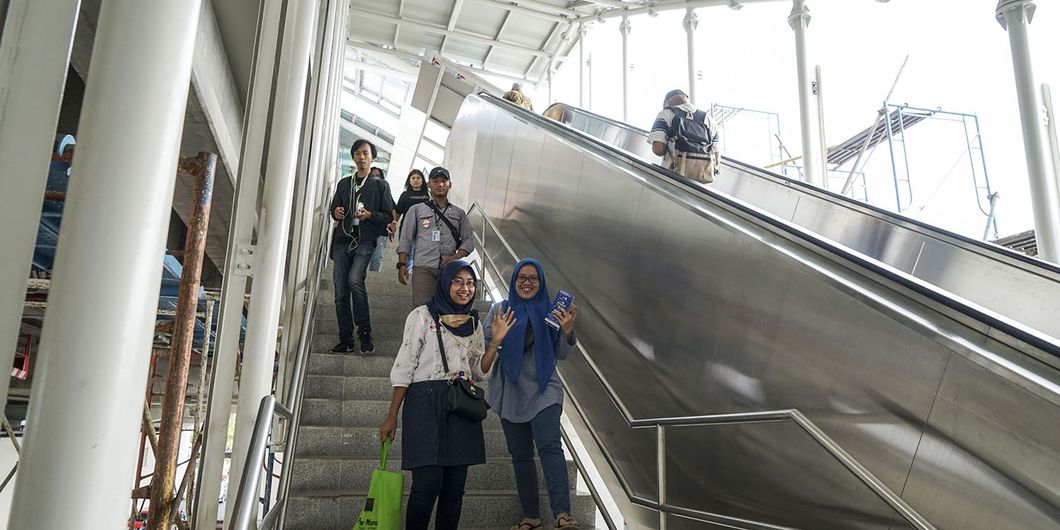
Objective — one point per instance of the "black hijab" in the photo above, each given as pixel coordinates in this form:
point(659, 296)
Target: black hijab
point(442, 304)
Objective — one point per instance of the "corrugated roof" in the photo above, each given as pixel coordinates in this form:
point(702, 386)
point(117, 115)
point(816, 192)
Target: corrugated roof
point(849, 149)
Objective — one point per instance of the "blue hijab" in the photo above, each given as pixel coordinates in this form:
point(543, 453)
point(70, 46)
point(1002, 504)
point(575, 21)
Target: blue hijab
point(442, 304)
point(529, 312)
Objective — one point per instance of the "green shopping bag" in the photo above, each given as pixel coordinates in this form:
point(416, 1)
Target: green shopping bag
point(382, 508)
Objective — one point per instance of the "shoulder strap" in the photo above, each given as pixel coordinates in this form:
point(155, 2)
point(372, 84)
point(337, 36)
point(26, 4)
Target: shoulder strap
point(455, 232)
point(441, 348)
point(700, 116)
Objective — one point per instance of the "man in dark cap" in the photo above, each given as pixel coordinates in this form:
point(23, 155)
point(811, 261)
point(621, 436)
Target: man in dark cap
point(686, 138)
point(438, 231)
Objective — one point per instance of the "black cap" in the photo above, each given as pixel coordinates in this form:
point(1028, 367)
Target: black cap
point(439, 172)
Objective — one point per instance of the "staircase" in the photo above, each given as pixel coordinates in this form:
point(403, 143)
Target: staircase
point(347, 396)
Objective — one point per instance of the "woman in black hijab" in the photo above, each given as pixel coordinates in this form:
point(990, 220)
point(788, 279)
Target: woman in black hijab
point(437, 446)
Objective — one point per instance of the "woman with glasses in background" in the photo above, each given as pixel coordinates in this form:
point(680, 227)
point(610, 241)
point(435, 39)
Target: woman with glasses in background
point(527, 394)
point(435, 445)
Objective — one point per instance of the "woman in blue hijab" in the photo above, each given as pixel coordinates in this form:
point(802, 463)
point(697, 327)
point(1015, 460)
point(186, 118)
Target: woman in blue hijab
point(527, 393)
point(437, 446)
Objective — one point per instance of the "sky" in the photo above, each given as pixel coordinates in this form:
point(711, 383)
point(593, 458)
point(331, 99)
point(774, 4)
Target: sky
point(959, 60)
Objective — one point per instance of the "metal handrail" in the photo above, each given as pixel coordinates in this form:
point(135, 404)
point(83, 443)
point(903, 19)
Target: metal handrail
point(246, 496)
point(661, 424)
point(243, 514)
point(18, 451)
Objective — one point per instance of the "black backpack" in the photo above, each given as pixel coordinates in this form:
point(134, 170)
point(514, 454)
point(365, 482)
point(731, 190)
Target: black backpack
point(691, 134)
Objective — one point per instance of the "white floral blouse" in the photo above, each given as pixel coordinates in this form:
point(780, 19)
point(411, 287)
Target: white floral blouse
point(419, 360)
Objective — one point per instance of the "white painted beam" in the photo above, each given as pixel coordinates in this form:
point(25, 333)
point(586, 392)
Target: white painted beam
point(440, 30)
point(489, 52)
point(454, 15)
point(561, 15)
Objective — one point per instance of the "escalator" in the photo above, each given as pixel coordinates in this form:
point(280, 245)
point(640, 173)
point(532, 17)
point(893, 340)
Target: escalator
point(782, 376)
point(1008, 283)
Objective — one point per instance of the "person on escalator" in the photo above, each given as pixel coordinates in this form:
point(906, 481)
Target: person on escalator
point(527, 394)
point(437, 232)
point(686, 138)
point(516, 95)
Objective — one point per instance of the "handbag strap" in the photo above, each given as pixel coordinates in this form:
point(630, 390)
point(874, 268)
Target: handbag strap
point(383, 454)
point(441, 348)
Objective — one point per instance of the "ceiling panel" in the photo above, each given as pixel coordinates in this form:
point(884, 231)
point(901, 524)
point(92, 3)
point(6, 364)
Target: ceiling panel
point(481, 19)
point(426, 22)
point(527, 31)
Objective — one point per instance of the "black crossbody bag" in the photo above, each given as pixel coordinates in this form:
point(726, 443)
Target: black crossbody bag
point(455, 232)
point(464, 398)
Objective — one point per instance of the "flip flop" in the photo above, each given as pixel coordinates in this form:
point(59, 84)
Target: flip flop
point(527, 526)
point(566, 523)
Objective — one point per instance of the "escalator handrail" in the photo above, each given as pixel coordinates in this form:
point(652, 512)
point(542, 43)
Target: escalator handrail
point(842, 456)
point(982, 247)
point(965, 308)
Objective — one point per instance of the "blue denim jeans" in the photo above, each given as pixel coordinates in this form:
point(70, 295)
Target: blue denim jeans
point(351, 267)
point(542, 431)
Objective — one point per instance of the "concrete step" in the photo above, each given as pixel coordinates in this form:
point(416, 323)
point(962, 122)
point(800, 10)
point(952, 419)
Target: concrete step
point(384, 346)
point(338, 509)
point(383, 325)
point(363, 442)
point(347, 364)
point(347, 387)
point(347, 473)
point(360, 413)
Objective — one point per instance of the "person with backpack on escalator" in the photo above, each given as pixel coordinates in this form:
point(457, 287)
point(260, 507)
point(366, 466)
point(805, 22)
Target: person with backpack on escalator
point(686, 138)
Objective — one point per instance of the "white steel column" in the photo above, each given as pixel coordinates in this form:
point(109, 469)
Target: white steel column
point(624, 28)
point(1054, 144)
point(259, 351)
point(690, 23)
point(34, 53)
point(799, 20)
point(1016, 16)
point(296, 290)
point(581, 65)
point(80, 450)
point(238, 266)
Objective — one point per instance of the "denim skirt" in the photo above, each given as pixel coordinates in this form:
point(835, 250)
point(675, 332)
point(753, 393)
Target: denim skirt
point(430, 436)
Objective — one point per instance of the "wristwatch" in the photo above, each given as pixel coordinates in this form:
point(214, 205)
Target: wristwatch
point(400, 264)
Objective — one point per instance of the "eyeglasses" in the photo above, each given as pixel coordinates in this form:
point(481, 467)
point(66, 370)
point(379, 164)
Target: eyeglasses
point(527, 279)
point(460, 282)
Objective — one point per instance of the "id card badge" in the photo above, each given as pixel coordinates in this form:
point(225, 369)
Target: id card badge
point(436, 235)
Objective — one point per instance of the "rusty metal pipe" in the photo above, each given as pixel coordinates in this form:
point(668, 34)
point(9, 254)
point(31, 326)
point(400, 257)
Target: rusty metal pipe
point(203, 168)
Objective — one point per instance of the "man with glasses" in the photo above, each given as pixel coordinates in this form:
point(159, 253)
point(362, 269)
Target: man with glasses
point(362, 209)
point(439, 232)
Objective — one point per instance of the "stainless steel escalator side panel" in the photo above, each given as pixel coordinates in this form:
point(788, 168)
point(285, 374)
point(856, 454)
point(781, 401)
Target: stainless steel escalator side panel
point(691, 305)
point(1022, 289)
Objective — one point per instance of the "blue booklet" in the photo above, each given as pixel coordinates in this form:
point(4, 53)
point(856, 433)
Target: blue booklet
point(563, 300)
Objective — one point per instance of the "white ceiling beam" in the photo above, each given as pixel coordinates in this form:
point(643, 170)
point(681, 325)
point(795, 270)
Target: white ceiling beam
point(401, 64)
point(453, 16)
point(504, 23)
point(558, 14)
point(381, 70)
point(371, 48)
point(617, 4)
point(664, 5)
point(440, 30)
point(544, 46)
point(401, 14)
